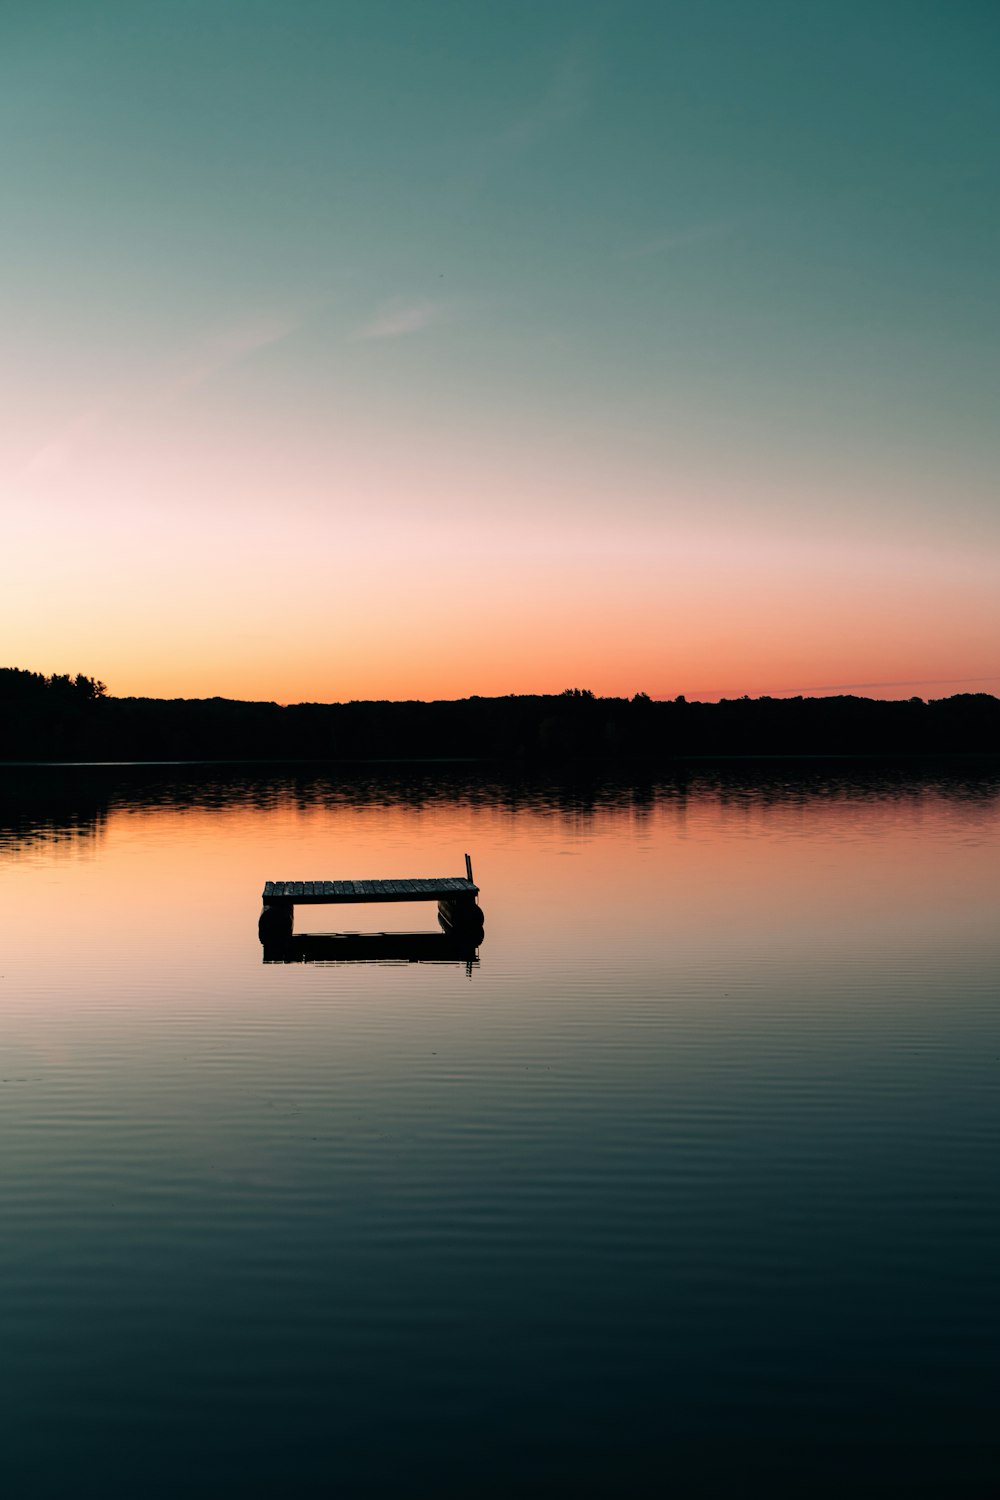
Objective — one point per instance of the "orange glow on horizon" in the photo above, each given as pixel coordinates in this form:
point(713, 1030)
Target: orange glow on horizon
point(352, 591)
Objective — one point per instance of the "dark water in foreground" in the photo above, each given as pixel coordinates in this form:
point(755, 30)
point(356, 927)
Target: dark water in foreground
point(688, 1186)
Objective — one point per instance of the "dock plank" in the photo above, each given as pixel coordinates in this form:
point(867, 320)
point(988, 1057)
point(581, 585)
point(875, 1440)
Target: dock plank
point(331, 892)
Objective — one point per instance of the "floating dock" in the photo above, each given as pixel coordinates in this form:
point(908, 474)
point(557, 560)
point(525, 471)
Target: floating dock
point(458, 908)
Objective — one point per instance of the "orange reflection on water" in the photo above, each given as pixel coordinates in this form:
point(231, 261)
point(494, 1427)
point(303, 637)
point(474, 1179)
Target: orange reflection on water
point(653, 883)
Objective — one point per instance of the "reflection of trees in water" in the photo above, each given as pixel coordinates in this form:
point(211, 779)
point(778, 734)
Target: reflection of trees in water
point(586, 795)
point(72, 804)
point(49, 805)
point(70, 832)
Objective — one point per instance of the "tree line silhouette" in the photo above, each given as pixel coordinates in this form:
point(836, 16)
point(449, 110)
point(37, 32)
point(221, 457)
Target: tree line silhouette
point(63, 717)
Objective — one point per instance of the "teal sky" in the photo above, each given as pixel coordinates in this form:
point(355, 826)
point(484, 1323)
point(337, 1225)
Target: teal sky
point(712, 286)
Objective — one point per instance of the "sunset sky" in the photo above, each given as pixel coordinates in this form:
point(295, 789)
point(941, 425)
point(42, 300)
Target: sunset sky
point(420, 348)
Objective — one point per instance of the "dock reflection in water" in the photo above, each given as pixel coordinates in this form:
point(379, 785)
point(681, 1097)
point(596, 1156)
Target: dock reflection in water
point(373, 947)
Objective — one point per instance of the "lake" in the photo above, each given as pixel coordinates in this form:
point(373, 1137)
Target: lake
point(686, 1183)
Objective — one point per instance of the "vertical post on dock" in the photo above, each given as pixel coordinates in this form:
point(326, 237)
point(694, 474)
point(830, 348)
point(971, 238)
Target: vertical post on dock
point(468, 870)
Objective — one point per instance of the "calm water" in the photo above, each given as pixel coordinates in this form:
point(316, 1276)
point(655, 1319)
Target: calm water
point(688, 1185)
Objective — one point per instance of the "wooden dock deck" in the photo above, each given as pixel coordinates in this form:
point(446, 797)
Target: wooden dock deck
point(458, 909)
point(342, 892)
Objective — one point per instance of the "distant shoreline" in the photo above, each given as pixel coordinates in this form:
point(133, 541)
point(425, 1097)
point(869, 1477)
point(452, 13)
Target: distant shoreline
point(73, 721)
point(636, 762)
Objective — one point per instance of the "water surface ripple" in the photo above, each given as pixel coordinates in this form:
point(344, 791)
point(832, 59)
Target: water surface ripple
point(689, 1185)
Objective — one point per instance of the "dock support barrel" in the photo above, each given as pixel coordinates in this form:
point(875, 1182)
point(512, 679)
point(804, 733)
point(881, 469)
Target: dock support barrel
point(276, 921)
point(462, 916)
